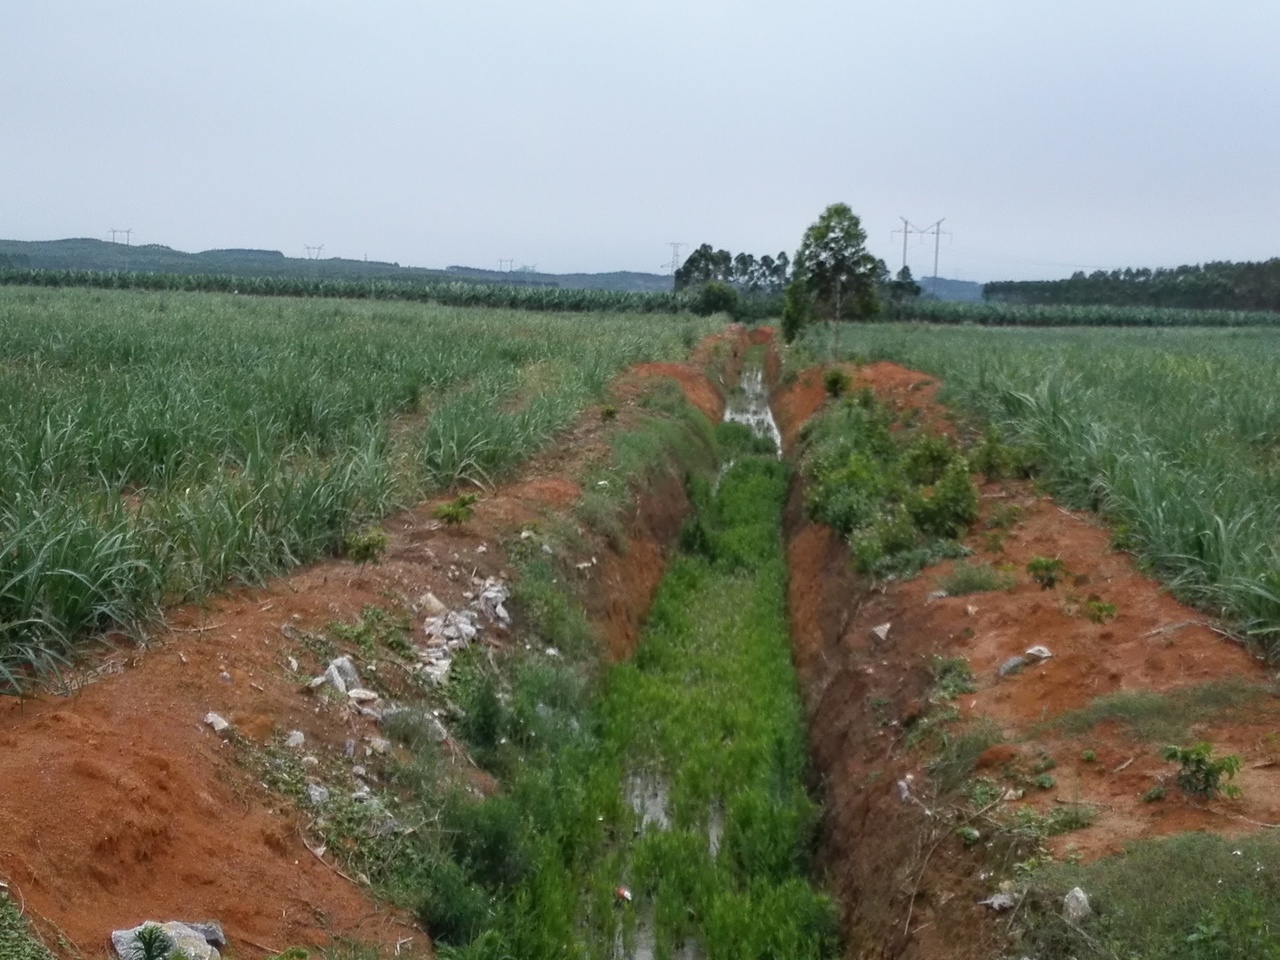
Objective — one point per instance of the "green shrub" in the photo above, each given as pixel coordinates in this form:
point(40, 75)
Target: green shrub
point(715, 297)
point(926, 459)
point(966, 578)
point(951, 507)
point(453, 909)
point(458, 510)
point(835, 381)
point(1046, 571)
point(1200, 773)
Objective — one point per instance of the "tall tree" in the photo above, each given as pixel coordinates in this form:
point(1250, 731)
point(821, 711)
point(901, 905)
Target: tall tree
point(834, 264)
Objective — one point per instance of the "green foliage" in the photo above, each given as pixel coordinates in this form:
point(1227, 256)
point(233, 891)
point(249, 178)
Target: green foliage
point(365, 546)
point(1154, 794)
point(715, 297)
point(1099, 612)
point(952, 676)
point(458, 510)
point(16, 943)
point(1168, 716)
point(1168, 434)
point(900, 496)
point(1215, 900)
point(797, 310)
point(1046, 571)
point(159, 445)
point(1088, 756)
point(153, 943)
point(966, 578)
point(1070, 315)
point(833, 262)
point(1201, 773)
point(835, 381)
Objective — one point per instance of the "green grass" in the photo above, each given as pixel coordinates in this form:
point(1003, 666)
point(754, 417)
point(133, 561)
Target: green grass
point(16, 942)
point(1170, 434)
point(974, 577)
point(1191, 897)
point(155, 446)
point(1072, 315)
point(1163, 717)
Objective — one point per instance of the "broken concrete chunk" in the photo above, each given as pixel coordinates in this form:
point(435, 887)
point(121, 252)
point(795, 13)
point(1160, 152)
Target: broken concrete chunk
point(182, 938)
point(360, 695)
point(1012, 665)
point(1038, 653)
point(1075, 906)
point(295, 739)
point(218, 723)
point(881, 632)
point(430, 605)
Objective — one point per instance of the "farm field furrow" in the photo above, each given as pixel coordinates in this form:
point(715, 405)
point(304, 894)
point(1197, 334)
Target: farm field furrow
point(1170, 435)
point(156, 445)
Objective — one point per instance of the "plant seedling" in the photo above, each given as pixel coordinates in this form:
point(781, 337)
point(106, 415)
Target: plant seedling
point(1088, 756)
point(366, 546)
point(1097, 611)
point(1046, 571)
point(458, 510)
point(1154, 794)
point(1201, 773)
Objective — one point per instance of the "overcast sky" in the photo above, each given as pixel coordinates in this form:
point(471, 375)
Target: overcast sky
point(586, 134)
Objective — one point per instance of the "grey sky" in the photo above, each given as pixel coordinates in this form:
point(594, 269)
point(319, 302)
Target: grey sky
point(584, 135)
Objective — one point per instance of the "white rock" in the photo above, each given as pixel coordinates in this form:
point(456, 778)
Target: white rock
point(881, 632)
point(189, 941)
point(1000, 902)
point(430, 605)
point(346, 669)
point(1075, 906)
point(1038, 653)
point(332, 676)
point(318, 794)
point(216, 722)
point(360, 695)
point(295, 739)
point(379, 745)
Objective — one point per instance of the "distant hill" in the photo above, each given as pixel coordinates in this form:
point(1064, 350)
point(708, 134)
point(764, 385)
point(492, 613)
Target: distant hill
point(90, 254)
point(955, 291)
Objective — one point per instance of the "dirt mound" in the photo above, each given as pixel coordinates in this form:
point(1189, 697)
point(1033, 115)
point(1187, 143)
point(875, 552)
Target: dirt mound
point(695, 383)
point(909, 891)
point(119, 804)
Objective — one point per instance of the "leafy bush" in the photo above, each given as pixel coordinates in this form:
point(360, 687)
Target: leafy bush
point(715, 297)
point(458, 510)
point(453, 909)
point(966, 578)
point(1200, 773)
point(1046, 571)
point(835, 381)
point(948, 510)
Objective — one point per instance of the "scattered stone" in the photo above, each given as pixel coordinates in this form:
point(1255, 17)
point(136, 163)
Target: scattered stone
point(216, 722)
point(190, 940)
point(936, 595)
point(970, 610)
point(482, 549)
point(357, 771)
point(211, 930)
point(318, 794)
point(1038, 653)
point(881, 632)
point(224, 677)
point(430, 604)
point(310, 761)
point(436, 730)
point(349, 748)
point(1000, 902)
point(293, 665)
point(546, 548)
point(379, 745)
point(552, 652)
point(346, 669)
point(1012, 665)
point(295, 739)
point(319, 681)
point(360, 695)
point(1075, 906)
point(526, 534)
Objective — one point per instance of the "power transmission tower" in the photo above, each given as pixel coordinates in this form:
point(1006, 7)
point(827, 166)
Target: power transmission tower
point(510, 264)
point(937, 232)
point(128, 234)
point(907, 229)
point(313, 253)
point(674, 265)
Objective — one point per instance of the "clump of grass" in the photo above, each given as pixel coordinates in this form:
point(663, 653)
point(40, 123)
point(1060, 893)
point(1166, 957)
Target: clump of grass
point(1163, 717)
point(952, 676)
point(966, 578)
point(366, 545)
point(959, 753)
point(16, 943)
point(1215, 899)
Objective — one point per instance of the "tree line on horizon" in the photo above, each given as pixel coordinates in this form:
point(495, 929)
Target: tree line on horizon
point(1220, 285)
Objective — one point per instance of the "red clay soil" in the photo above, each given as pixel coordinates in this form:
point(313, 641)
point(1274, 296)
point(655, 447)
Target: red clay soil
point(118, 805)
point(886, 858)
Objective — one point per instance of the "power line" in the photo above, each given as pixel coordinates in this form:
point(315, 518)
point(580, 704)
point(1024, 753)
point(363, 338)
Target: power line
point(906, 231)
point(937, 232)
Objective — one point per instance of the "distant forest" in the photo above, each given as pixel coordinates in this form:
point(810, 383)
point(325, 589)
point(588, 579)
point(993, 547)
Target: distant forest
point(103, 257)
point(1211, 286)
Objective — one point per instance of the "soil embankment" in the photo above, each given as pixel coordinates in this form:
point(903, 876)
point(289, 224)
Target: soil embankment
point(1131, 669)
point(120, 805)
